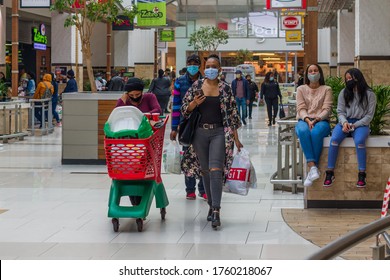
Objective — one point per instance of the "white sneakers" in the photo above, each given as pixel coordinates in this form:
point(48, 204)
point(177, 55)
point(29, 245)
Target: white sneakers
point(313, 175)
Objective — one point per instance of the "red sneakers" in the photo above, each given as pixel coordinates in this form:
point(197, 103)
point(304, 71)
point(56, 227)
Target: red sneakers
point(191, 196)
point(204, 196)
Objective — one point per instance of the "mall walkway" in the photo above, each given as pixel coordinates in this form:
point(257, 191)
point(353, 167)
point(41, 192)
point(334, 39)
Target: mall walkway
point(60, 212)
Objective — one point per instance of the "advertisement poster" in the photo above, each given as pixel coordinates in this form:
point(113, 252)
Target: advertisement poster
point(151, 13)
point(286, 4)
point(35, 3)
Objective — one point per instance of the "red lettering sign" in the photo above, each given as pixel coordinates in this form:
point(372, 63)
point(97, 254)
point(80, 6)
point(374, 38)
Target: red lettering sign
point(291, 22)
point(237, 174)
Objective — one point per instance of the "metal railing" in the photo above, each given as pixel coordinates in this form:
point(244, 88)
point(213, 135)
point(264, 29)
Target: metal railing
point(355, 237)
point(45, 105)
point(290, 157)
point(11, 113)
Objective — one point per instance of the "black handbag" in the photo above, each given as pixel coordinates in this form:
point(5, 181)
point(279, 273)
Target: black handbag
point(188, 127)
point(282, 114)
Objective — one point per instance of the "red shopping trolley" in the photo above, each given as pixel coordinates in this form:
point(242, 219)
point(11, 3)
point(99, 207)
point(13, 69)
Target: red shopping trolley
point(135, 167)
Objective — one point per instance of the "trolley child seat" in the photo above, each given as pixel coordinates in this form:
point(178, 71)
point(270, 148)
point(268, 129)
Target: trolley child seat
point(135, 167)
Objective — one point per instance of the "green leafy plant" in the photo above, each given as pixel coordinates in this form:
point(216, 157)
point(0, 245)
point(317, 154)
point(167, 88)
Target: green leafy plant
point(147, 82)
point(243, 55)
point(382, 110)
point(84, 14)
point(336, 84)
point(87, 86)
point(208, 38)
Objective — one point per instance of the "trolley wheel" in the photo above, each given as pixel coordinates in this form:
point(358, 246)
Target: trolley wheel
point(163, 212)
point(140, 223)
point(115, 224)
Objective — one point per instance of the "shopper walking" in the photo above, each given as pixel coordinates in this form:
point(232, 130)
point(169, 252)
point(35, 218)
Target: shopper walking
point(314, 102)
point(270, 91)
point(182, 84)
point(355, 110)
point(31, 86)
point(161, 87)
point(116, 83)
point(253, 90)
point(240, 90)
point(71, 85)
point(214, 139)
point(54, 100)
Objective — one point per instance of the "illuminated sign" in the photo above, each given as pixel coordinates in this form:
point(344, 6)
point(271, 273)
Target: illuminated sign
point(39, 37)
point(293, 35)
point(291, 22)
point(286, 4)
point(35, 3)
point(125, 24)
point(167, 36)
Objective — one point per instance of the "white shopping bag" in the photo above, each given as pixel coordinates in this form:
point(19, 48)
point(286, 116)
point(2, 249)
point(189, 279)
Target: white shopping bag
point(241, 175)
point(171, 158)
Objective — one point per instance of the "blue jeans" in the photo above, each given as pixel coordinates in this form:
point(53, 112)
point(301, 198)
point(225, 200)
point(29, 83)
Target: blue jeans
point(241, 106)
point(359, 136)
point(190, 182)
point(312, 140)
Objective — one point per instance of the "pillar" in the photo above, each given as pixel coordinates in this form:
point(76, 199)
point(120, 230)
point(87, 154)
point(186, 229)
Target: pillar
point(333, 52)
point(372, 44)
point(15, 47)
point(3, 21)
point(311, 31)
point(345, 41)
point(324, 50)
point(66, 48)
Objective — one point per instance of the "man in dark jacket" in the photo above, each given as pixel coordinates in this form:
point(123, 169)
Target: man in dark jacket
point(182, 84)
point(161, 87)
point(253, 90)
point(240, 88)
point(116, 82)
point(71, 85)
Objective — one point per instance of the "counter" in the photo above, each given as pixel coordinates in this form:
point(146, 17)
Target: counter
point(83, 119)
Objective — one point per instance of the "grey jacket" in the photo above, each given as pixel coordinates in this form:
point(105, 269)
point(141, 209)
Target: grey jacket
point(355, 111)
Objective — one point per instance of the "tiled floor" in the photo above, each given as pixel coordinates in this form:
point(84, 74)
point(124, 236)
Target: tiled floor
point(60, 211)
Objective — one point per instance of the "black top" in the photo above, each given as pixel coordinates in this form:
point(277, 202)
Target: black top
point(270, 90)
point(210, 110)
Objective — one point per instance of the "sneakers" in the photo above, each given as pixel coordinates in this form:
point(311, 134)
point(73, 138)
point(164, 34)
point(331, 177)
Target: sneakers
point(204, 196)
point(59, 124)
point(191, 196)
point(361, 183)
point(313, 175)
point(329, 179)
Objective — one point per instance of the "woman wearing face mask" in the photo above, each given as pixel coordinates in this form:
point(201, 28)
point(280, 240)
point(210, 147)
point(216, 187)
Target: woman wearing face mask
point(212, 150)
point(355, 110)
point(270, 91)
point(314, 103)
point(145, 102)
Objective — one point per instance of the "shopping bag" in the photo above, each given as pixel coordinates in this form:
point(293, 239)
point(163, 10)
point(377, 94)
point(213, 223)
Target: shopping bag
point(171, 158)
point(238, 180)
point(252, 177)
point(282, 114)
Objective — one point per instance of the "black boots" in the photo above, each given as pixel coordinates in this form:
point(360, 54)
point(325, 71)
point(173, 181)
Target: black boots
point(273, 120)
point(210, 215)
point(215, 220)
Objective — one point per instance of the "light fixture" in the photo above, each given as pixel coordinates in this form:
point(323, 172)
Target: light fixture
point(264, 54)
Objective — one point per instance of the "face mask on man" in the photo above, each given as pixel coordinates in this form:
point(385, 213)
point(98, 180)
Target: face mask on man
point(313, 77)
point(192, 69)
point(211, 73)
point(271, 78)
point(351, 84)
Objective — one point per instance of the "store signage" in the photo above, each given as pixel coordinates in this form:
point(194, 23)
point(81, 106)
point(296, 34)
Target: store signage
point(39, 37)
point(293, 35)
point(291, 22)
point(286, 4)
point(125, 24)
point(151, 13)
point(167, 36)
point(35, 3)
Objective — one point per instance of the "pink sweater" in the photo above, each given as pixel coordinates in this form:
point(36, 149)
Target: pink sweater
point(314, 103)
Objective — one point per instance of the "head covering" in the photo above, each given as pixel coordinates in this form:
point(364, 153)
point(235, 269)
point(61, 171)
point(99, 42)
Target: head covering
point(238, 72)
point(160, 73)
point(194, 57)
point(70, 73)
point(134, 84)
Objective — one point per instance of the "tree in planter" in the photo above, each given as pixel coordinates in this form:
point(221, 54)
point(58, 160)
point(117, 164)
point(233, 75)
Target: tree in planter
point(84, 14)
point(243, 55)
point(208, 38)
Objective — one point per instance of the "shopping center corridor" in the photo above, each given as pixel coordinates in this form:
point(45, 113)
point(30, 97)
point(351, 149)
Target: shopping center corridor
point(54, 211)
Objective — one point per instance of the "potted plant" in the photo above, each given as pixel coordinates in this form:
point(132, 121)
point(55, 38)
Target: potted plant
point(4, 92)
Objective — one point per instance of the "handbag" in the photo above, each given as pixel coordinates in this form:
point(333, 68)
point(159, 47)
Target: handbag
point(282, 114)
point(188, 127)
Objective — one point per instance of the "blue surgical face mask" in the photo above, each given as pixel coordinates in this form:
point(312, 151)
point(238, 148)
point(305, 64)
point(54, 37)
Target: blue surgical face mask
point(192, 69)
point(271, 78)
point(211, 73)
point(314, 78)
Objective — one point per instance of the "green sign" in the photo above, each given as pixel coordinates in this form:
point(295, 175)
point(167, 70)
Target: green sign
point(38, 37)
point(152, 13)
point(167, 36)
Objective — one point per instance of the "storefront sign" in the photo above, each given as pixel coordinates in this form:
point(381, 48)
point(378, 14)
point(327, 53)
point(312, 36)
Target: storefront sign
point(291, 23)
point(39, 37)
point(35, 3)
point(126, 24)
point(167, 36)
point(286, 4)
point(293, 35)
point(151, 13)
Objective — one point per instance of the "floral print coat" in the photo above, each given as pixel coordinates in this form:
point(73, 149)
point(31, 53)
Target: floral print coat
point(231, 121)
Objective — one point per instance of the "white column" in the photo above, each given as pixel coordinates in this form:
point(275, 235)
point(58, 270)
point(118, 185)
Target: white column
point(324, 40)
point(66, 48)
point(333, 47)
point(372, 23)
point(345, 37)
point(2, 37)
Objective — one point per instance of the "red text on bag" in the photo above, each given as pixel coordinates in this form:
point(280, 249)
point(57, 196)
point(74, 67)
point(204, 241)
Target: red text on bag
point(238, 174)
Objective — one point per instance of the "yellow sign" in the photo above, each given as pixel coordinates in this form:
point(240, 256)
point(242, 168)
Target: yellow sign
point(293, 35)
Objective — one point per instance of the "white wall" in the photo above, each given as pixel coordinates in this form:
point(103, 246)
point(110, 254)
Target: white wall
point(372, 27)
point(99, 45)
point(324, 45)
point(333, 46)
point(345, 36)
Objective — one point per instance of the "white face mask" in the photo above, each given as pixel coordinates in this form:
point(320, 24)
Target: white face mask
point(314, 77)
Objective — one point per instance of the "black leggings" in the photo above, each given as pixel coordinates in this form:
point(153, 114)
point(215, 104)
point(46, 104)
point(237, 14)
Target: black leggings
point(272, 104)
